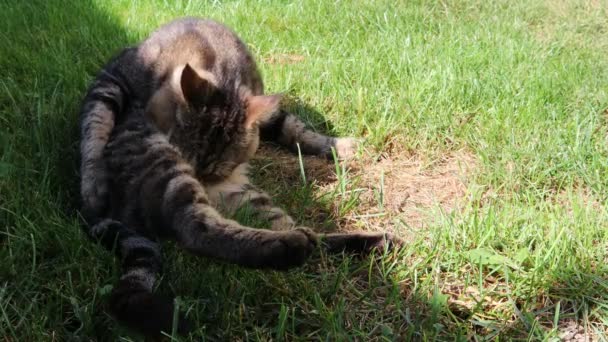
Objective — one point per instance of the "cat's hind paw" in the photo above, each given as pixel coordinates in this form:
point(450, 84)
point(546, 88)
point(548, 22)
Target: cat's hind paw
point(289, 249)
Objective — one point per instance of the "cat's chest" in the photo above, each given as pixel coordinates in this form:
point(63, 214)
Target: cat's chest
point(233, 183)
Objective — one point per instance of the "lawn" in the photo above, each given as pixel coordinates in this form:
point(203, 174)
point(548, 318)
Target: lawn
point(485, 127)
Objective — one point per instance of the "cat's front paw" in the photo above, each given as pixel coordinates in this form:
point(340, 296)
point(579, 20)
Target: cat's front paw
point(290, 248)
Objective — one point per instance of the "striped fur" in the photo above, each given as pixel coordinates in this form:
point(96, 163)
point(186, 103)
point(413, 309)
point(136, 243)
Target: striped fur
point(167, 130)
point(155, 192)
point(155, 185)
point(147, 74)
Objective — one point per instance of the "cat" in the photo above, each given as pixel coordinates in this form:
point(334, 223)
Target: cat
point(171, 161)
point(156, 193)
point(149, 73)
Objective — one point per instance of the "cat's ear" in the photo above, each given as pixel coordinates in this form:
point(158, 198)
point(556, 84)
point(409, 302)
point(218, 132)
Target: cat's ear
point(195, 88)
point(261, 108)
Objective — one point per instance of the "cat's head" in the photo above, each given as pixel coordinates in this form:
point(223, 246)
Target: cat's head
point(216, 125)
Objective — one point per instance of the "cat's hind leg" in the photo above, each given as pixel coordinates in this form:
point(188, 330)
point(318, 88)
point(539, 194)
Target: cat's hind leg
point(132, 300)
point(236, 191)
point(201, 229)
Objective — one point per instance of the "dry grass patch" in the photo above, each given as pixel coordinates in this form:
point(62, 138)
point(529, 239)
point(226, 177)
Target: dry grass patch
point(283, 58)
point(410, 188)
point(373, 193)
point(562, 20)
point(581, 198)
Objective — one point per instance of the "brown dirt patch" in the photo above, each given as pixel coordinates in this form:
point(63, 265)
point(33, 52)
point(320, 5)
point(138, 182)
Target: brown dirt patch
point(385, 190)
point(412, 187)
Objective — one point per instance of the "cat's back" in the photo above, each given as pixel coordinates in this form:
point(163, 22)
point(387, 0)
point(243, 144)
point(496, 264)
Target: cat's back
point(204, 44)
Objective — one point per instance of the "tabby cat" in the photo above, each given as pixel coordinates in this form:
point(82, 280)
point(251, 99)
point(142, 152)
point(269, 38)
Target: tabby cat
point(167, 131)
point(149, 74)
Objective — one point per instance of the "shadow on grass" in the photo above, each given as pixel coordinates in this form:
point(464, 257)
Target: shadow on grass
point(309, 114)
point(53, 50)
point(334, 298)
point(49, 53)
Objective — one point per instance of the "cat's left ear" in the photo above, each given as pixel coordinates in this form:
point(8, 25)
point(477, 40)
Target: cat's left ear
point(195, 88)
point(261, 108)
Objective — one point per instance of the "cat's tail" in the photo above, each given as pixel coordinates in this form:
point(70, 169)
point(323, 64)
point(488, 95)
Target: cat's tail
point(132, 300)
point(360, 242)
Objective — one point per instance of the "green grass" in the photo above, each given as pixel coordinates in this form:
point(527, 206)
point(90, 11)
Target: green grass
point(521, 85)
